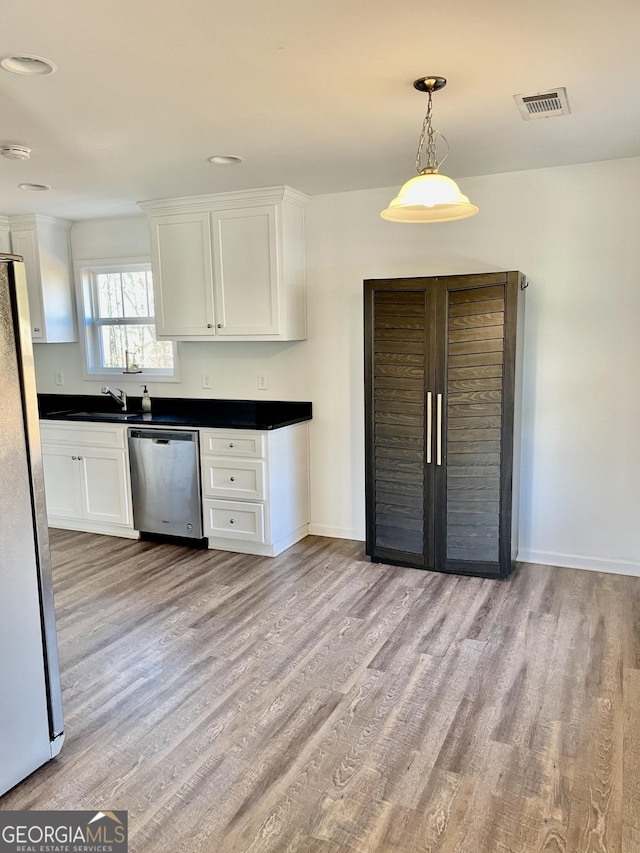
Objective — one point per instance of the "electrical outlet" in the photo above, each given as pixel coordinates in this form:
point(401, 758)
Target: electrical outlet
point(206, 379)
point(59, 377)
point(263, 381)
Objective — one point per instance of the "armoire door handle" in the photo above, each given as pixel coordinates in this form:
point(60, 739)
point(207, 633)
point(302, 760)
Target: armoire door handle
point(429, 426)
point(439, 429)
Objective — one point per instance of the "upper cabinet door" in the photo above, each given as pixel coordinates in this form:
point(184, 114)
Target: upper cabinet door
point(23, 242)
point(246, 286)
point(182, 275)
point(43, 242)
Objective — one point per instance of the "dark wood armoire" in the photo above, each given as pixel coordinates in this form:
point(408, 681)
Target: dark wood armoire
point(443, 367)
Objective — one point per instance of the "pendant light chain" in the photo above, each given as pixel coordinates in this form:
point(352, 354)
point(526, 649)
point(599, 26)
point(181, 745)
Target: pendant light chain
point(429, 133)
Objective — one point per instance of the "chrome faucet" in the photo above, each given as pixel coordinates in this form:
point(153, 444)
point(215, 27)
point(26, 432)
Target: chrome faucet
point(120, 397)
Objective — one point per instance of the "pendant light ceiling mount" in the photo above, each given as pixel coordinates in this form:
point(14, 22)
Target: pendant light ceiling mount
point(429, 84)
point(429, 197)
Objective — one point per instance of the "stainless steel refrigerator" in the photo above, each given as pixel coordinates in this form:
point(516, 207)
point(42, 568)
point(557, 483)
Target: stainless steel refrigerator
point(31, 726)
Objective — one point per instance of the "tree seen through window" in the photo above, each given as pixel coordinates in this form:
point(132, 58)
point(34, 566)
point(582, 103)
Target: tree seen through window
point(124, 317)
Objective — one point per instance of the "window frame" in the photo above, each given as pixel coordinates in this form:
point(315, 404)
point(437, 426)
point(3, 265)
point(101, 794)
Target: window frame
point(86, 273)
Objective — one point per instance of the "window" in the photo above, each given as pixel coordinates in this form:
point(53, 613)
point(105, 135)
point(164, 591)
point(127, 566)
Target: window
point(120, 322)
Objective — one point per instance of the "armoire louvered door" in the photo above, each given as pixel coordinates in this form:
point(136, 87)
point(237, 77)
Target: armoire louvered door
point(442, 378)
point(400, 339)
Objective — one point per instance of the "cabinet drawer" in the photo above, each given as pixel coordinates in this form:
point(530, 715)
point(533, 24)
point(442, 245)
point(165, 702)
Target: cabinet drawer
point(234, 520)
point(89, 435)
point(233, 478)
point(236, 443)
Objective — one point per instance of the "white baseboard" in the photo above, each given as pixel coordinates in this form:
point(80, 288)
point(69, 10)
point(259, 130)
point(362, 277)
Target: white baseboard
point(94, 527)
point(335, 532)
point(572, 561)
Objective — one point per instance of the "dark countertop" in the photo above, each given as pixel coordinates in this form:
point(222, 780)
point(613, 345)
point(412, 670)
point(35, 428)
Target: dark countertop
point(175, 411)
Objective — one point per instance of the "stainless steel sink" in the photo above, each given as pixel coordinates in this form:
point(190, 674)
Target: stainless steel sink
point(108, 416)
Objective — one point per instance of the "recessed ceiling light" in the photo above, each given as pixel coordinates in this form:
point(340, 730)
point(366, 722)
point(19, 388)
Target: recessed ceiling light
point(224, 159)
point(27, 63)
point(36, 188)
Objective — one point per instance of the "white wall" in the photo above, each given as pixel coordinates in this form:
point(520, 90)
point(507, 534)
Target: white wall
point(572, 231)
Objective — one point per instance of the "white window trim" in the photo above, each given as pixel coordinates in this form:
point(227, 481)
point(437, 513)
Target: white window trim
point(84, 270)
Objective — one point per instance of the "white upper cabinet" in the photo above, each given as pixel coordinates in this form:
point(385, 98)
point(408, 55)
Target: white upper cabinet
point(229, 266)
point(5, 235)
point(182, 272)
point(246, 286)
point(43, 242)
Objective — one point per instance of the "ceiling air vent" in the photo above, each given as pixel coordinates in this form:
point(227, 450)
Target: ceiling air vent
point(543, 104)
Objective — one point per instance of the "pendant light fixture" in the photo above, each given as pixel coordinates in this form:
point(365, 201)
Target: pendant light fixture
point(429, 197)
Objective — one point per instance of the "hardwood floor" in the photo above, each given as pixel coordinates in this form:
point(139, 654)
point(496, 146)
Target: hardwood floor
point(319, 703)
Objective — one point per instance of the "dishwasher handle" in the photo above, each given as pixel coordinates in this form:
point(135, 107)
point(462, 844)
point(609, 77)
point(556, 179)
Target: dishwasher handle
point(163, 436)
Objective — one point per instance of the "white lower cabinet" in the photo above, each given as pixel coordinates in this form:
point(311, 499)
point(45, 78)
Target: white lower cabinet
point(86, 474)
point(255, 488)
point(255, 483)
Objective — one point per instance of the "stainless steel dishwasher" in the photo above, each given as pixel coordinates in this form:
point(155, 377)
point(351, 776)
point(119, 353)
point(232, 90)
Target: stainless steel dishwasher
point(165, 481)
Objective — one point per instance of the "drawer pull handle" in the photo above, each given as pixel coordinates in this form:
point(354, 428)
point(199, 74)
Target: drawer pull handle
point(233, 479)
point(232, 521)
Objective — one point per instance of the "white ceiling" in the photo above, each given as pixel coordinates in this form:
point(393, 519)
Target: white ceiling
point(317, 95)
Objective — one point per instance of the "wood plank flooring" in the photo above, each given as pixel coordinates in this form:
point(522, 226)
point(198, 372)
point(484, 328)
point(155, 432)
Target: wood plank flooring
point(319, 703)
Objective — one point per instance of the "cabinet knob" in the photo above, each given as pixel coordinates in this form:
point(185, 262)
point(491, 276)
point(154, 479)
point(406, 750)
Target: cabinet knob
point(232, 521)
point(36, 330)
point(219, 326)
point(74, 457)
point(209, 325)
point(233, 479)
point(79, 457)
point(231, 444)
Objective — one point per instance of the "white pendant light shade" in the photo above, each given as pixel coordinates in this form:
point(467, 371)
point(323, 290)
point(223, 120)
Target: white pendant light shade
point(429, 198)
